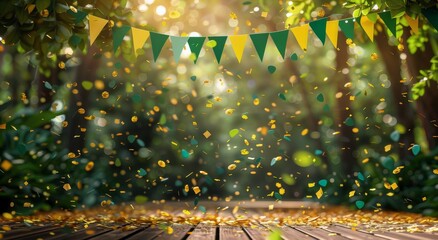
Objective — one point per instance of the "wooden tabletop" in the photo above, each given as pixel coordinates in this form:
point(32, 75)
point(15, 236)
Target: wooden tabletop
point(223, 220)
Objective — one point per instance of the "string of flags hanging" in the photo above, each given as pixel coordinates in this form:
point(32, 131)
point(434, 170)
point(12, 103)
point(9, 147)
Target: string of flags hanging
point(322, 28)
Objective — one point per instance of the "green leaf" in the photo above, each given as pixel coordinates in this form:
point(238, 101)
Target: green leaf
point(42, 4)
point(356, 13)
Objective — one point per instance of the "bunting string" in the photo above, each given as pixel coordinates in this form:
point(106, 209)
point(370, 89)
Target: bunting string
point(323, 28)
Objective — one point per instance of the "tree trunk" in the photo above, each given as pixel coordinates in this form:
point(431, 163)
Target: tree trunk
point(77, 124)
point(400, 92)
point(346, 137)
point(427, 103)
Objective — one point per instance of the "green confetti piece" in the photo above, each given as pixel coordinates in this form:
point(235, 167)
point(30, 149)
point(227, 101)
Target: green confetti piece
point(282, 96)
point(196, 201)
point(349, 122)
point(275, 235)
point(247, 3)
point(320, 97)
point(118, 163)
point(131, 138)
point(395, 136)
point(388, 163)
point(140, 199)
point(211, 43)
point(287, 138)
point(277, 196)
point(416, 149)
point(273, 161)
point(140, 142)
point(185, 154)
point(233, 132)
point(318, 152)
point(323, 182)
point(202, 209)
point(142, 172)
point(48, 85)
point(326, 108)
point(360, 204)
point(87, 85)
point(193, 78)
point(271, 69)
point(163, 119)
point(294, 57)
point(360, 176)
point(194, 141)
point(258, 160)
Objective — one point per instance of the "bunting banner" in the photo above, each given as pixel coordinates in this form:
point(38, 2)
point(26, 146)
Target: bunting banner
point(322, 28)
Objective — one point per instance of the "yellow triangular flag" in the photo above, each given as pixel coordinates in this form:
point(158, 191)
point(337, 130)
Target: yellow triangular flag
point(332, 30)
point(413, 23)
point(368, 27)
point(238, 43)
point(301, 33)
point(96, 24)
point(139, 37)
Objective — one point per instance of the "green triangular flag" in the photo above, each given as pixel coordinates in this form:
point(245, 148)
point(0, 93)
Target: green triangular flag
point(118, 35)
point(219, 48)
point(157, 41)
point(195, 44)
point(319, 28)
point(389, 21)
point(432, 16)
point(177, 46)
point(259, 40)
point(280, 40)
point(78, 15)
point(347, 27)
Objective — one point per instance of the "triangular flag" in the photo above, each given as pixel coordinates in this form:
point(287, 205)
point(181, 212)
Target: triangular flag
point(96, 24)
point(413, 23)
point(139, 37)
point(368, 26)
point(319, 28)
point(332, 31)
point(219, 48)
point(238, 43)
point(195, 44)
point(280, 41)
point(157, 41)
point(389, 21)
point(118, 35)
point(78, 15)
point(432, 16)
point(260, 40)
point(301, 33)
point(347, 27)
point(177, 46)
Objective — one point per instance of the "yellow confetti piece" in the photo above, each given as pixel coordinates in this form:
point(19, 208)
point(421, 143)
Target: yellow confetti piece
point(282, 191)
point(232, 166)
point(3, 126)
point(351, 193)
point(374, 56)
point(206, 134)
point(196, 190)
point(186, 212)
point(319, 193)
point(244, 152)
point(7, 215)
point(310, 185)
point(186, 188)
point(256, 101)
point(67, 187)
point(134, 119)
point(394, 186)
point(388, 148)
point(435, 171)
point(161, 163)
point(6, 165)
point(105, 94)
point(89, 166)
point(304, 132)
point(169, 230)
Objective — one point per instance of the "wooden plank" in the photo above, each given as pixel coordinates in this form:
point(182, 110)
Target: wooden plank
point(34, 230)
point(319, 233)
point(179, 232)
point(119, 233)
point(257, 232)
point(82, 234)
point(288, 233)
point(48, 234)
point(231, 233)
point(203, 231)
point(353, 234)
point(403, 236)
point(147, 233)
